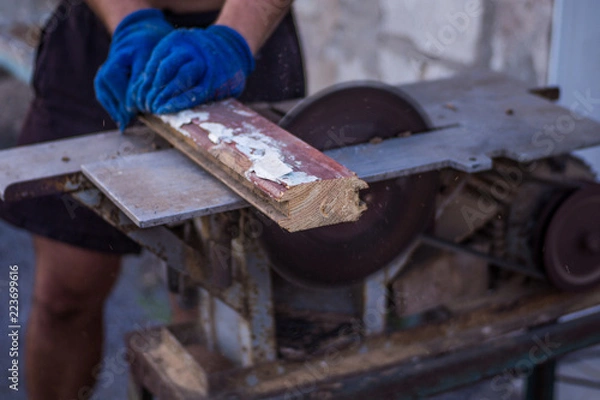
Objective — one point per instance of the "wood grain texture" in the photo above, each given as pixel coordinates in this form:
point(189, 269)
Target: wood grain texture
point(291, 182)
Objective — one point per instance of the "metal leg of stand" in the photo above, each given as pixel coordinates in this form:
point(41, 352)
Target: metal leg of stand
point(540, 384)
point(136, 391)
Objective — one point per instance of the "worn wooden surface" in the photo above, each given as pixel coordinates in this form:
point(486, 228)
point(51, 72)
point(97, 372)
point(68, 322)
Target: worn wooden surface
point(291, 182)
point(160, 365)
point(403, 361)
point(386, 355)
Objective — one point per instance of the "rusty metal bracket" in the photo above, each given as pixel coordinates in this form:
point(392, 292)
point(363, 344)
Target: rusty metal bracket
point(248, 337)
point(164, 243)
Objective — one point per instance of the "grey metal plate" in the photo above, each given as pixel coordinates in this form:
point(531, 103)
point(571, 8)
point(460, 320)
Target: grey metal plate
point(161, 187)
point(497, 116)
point(53, 165)
point(487, 115)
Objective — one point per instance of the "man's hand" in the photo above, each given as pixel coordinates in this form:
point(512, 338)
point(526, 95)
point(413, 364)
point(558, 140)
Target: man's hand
point(134, 39)
point(191, 67)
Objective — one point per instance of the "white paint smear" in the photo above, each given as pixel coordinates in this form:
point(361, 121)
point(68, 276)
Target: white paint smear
point(217, 132)
point(264, 152)
point(244, 113)
point(185, 117)
point(296, 178)
point(270, 166)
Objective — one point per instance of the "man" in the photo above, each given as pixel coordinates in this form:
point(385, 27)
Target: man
point(155, 62)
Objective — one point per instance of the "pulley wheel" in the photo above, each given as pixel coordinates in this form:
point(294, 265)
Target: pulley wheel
point(398, 209)
point(571, 250)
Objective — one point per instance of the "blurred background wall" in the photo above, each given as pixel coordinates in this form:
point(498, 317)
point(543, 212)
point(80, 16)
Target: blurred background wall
point(401, 41)
point(26, 10)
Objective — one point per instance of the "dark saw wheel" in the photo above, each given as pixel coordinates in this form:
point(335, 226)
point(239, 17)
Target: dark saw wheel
point(398, 209)
point(571, 252)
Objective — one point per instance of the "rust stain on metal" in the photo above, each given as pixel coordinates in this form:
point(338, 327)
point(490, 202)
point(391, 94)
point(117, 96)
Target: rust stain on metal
point(58, 184)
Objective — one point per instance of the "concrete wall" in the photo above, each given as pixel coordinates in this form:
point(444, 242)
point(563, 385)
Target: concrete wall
point(26, 10)
point(407, 40)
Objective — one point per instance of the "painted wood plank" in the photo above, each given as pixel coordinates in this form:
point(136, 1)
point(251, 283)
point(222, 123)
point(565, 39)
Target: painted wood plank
point(291, 182)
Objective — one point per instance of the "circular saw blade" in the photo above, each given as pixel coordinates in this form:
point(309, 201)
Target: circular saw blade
point(398, 209)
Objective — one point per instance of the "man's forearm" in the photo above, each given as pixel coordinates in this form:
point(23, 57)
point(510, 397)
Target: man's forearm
point(112, 12)
point(255, 20)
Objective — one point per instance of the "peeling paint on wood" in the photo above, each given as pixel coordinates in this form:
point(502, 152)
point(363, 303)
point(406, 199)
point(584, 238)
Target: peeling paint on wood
point(291, 182)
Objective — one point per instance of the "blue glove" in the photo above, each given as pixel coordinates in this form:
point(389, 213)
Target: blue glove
point(132, 44)
point(191, 67)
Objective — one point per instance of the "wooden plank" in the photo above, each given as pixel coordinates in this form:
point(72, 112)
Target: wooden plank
point(291, 182)
point(508, 331)
point(167, 374)
point(380, 357)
